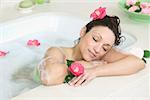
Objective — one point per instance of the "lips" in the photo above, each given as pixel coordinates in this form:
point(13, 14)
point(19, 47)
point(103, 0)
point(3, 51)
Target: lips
point(91, 54)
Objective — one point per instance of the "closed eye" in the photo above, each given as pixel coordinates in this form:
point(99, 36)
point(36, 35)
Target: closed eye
point(105, 49)
point(95, 39)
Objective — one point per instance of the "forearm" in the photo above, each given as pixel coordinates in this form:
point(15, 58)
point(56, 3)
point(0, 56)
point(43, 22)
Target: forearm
point(125, 66)
point(55, 74)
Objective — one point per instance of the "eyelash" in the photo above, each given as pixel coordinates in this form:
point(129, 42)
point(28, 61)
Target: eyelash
point(94, 39)
point(104, 49)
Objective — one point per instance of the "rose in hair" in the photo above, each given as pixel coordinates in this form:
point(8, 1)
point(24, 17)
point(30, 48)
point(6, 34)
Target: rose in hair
point(99, 13)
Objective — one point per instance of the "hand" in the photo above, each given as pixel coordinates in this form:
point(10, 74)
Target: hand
point(83, 79)
point(98, 62)
point(93, 64)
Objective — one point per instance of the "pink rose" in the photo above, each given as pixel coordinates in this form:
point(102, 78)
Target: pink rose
point(2, 53)
point(133, 8)
point(145, 5)
point(99, 13)
point(33, 43)
point(131, 2)
point(145, 8)
point(145, 11)
point(76, 69)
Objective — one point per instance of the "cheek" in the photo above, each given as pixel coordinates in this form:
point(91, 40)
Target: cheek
point(102, 54)
point(86, 42)
point(89, 42)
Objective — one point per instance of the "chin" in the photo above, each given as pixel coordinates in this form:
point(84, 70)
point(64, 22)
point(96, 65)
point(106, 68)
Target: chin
point(88, 58)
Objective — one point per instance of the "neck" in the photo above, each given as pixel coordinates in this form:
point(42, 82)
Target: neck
point(76, 54)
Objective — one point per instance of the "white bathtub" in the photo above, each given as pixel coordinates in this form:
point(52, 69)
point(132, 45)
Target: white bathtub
point(51, 29)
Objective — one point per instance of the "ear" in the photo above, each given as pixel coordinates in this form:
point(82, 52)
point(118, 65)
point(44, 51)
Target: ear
point(83, 31)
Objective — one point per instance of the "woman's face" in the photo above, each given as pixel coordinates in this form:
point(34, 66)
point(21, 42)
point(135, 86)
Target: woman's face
point(96, 43)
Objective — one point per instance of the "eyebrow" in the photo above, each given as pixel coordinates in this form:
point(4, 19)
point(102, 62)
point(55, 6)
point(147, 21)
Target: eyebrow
point(107, 45)
point(102, 38)
point(97, 34)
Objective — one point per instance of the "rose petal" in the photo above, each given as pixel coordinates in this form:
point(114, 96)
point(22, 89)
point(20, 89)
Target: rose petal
point(33, 43)
point(133, 8)
point(29, 42)
point(2, 53)
point(145, 5)
point(145, 11)
point(131, 2)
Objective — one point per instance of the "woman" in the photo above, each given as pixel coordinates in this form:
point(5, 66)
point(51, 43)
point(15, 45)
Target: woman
point(95, 50)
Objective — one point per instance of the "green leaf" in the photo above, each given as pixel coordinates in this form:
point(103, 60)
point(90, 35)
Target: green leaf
point(137, 3)
point(146, 54)
point(70, 75)
point(127, 7)
point(69, 62)
point(68, 78)
point(139, 10)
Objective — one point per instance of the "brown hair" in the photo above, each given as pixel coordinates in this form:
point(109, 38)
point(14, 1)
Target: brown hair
point(112, 22)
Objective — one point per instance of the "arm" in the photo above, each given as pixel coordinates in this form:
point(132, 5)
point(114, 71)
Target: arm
point(126, 66)
point(118, 64)
point(53, 69)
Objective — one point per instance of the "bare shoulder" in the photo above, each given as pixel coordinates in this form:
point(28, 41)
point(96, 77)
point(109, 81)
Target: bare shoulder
point(114, 55)
point(54, 52)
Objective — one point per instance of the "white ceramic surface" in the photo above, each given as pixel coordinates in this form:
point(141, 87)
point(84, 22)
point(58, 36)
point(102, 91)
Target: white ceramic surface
point(60, 28)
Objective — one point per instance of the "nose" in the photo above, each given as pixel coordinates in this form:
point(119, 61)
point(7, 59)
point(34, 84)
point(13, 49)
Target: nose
point(97, 48)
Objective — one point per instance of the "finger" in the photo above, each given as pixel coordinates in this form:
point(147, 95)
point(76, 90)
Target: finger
point(82, 79)
point(105, 62)
point(72, 82)
point(85, 82)
point(96, 62)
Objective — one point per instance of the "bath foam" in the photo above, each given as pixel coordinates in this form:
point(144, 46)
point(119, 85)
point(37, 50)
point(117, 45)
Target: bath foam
point(18, 77)
point(18, 57)
point(54, 32)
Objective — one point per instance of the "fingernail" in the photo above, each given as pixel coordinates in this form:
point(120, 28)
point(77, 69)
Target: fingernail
point(70, 83)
